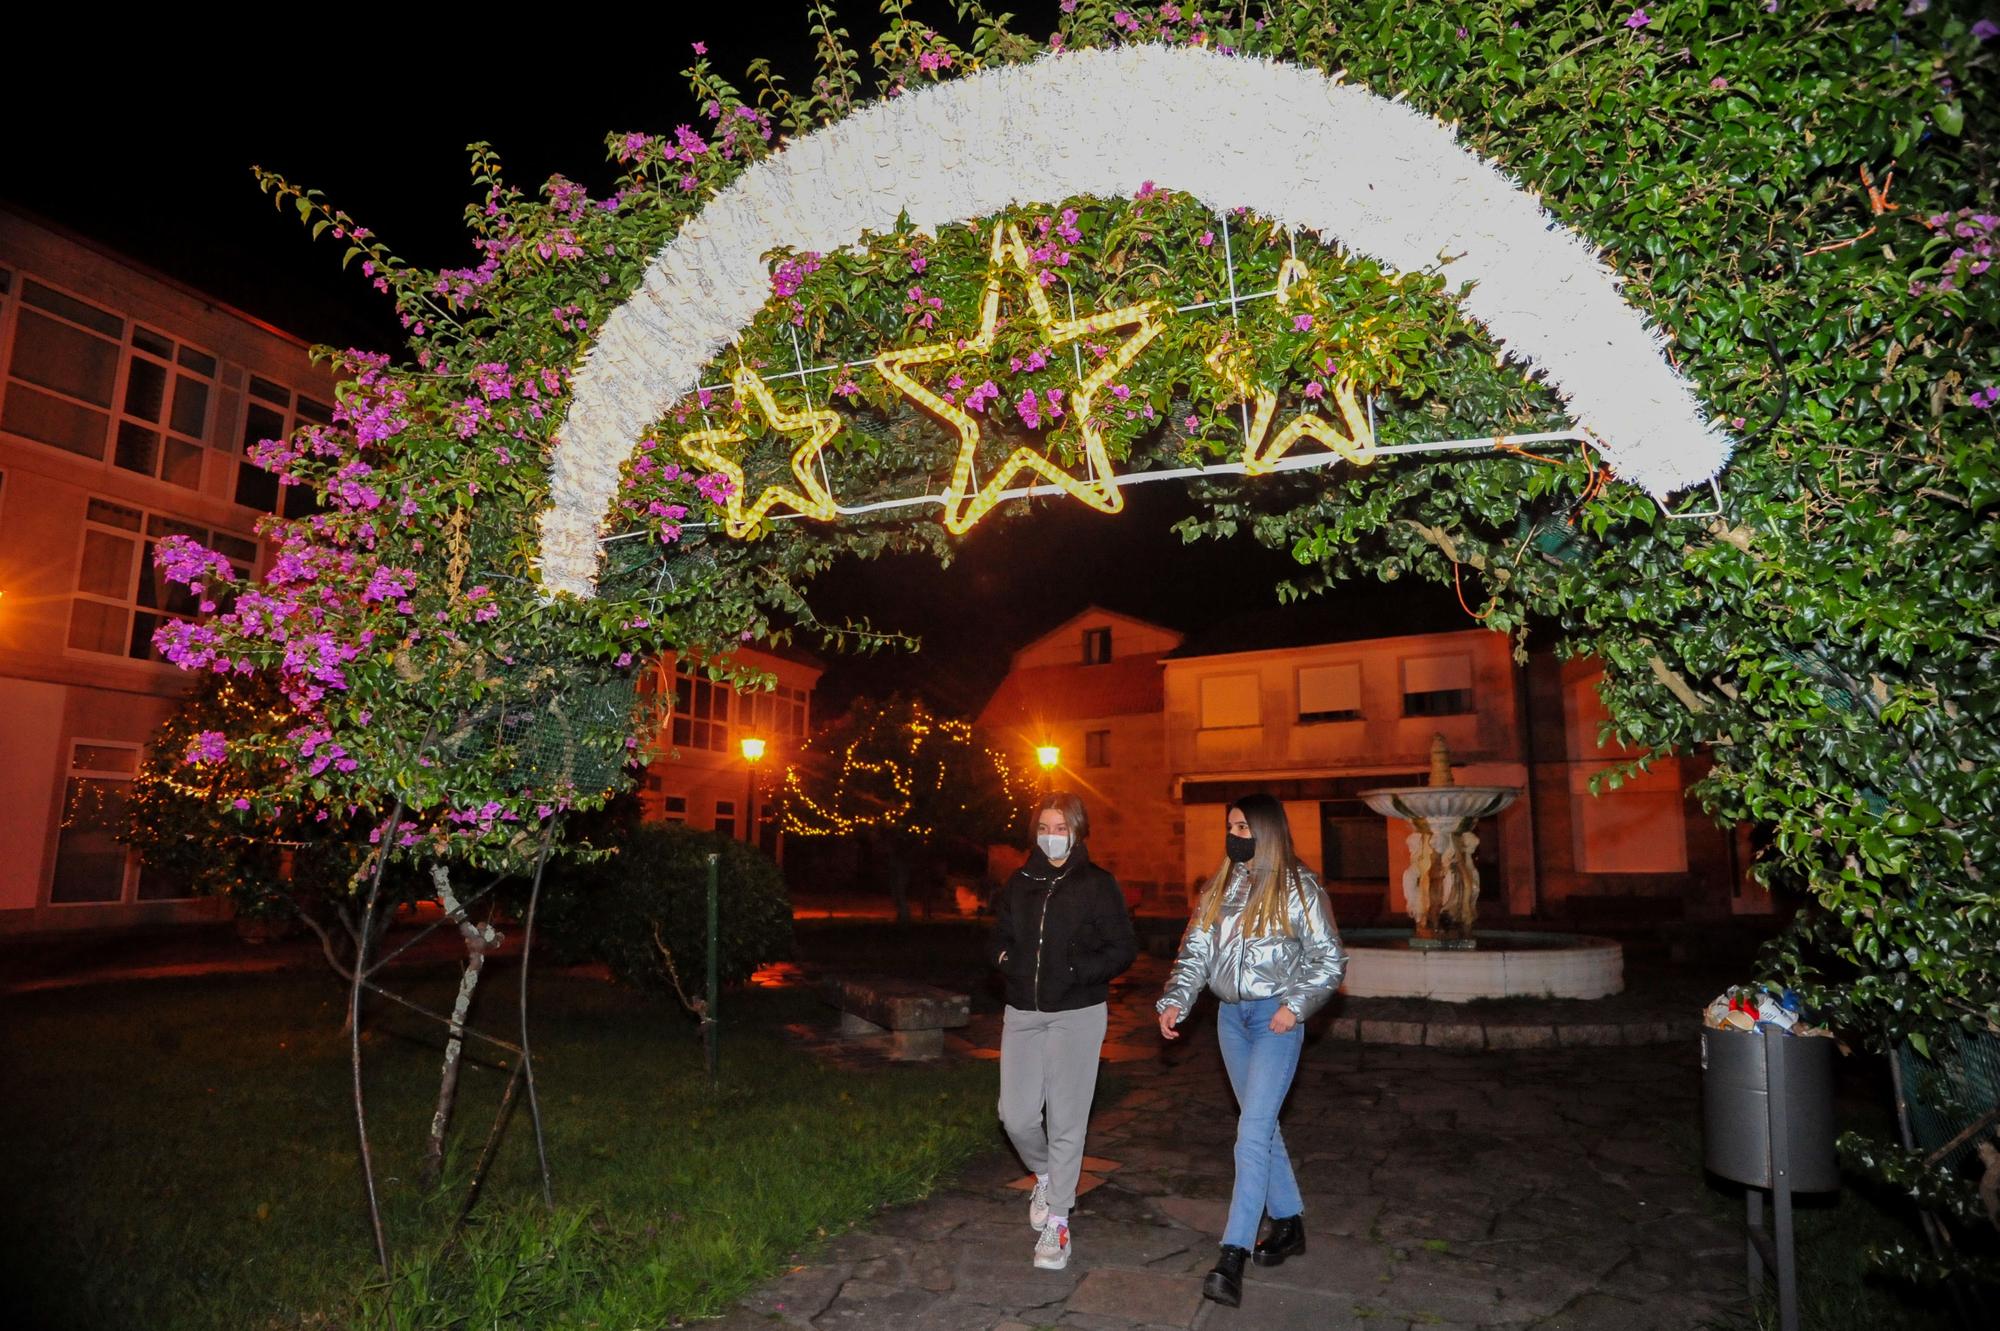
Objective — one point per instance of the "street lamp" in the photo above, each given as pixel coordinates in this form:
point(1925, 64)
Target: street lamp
point(1048, 755)
point(753, 753)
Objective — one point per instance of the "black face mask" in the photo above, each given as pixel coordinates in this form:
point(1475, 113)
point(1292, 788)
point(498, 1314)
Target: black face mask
point(1240, 849)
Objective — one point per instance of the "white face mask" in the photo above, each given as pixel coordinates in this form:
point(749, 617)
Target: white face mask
point(1054, 846)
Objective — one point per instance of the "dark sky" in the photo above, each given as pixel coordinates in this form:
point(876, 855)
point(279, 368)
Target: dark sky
point(151, 156)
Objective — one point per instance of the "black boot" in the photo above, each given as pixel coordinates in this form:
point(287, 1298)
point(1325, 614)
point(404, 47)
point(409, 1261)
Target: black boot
point(1224, 1284)
point(1286, 1239)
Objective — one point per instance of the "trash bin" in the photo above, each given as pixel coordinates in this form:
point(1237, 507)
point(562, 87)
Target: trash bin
point(1736, 1108)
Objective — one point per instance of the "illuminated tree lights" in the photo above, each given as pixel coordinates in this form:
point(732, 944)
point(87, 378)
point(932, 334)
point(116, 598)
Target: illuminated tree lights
point(895, 767)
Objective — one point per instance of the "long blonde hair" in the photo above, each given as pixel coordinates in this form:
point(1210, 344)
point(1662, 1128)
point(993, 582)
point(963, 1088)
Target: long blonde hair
point(1273, 872)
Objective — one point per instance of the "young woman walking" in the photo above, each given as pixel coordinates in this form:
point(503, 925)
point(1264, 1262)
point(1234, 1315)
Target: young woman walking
point(1262, 938)
point(1061, 935)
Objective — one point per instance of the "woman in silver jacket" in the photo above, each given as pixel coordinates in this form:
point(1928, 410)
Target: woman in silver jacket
point(1263, 939)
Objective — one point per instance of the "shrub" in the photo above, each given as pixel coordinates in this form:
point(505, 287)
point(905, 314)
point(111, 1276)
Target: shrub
point(655, 887)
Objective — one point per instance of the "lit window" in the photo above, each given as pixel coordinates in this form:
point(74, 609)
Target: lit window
point(120, 597)
point(164, 417)
point(1228, 700)
point(93, 865)
point(63, 372)
point(271, 411)
point(1437, 686)
point(1329, 693)
point(701, 712)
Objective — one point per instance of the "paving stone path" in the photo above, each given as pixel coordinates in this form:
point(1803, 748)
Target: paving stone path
point(1553, 1189)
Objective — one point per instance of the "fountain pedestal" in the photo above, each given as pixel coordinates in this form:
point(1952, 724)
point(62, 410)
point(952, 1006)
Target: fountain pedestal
point(1442, 882)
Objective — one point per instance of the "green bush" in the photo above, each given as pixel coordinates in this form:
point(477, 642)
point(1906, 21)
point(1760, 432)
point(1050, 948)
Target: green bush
point(655, 886)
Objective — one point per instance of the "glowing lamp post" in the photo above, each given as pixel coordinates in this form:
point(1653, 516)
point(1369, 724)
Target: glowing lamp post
point(1048, 755)
point(753, 753)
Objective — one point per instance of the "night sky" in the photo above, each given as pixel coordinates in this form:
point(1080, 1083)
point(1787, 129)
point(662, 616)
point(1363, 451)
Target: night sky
point(151, 157)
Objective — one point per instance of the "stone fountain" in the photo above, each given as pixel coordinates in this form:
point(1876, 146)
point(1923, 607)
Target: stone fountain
point(1442, 957)
point(1442, 882)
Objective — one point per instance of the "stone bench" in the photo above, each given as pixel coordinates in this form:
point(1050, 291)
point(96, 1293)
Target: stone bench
point(914, 1016)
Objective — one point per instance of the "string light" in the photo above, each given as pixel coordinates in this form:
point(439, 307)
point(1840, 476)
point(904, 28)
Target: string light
point(821, 427)
point(1227, 361)
point(844, 815)
point(965, 505)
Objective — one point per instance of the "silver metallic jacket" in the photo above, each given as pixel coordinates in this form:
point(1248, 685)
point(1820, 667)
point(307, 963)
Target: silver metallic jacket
point(1302, 967)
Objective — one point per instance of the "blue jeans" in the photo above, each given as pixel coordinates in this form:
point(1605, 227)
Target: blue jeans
point(1260, 1072)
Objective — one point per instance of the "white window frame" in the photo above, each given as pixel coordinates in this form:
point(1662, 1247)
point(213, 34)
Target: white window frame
point(128, 883)
point(238, 442)
point(130, 602)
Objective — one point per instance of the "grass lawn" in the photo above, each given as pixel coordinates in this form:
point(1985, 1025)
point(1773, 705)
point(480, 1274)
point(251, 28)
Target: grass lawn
point(182, 1154)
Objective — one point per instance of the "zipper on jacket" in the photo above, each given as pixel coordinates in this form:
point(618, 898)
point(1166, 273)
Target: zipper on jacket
point(1041, 934)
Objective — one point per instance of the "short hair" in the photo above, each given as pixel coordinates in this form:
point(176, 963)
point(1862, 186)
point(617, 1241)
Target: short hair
point(1070, 807)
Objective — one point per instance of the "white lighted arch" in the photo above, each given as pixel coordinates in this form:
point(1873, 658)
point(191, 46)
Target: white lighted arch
point(1287, 142)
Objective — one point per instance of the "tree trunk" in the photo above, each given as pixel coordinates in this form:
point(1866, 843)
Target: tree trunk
point(479, 940)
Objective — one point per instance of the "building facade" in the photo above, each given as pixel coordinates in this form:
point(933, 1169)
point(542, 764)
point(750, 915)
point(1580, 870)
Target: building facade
point(699, 773)
point(127, 403)
point(1316, 718)
point(1091, 689)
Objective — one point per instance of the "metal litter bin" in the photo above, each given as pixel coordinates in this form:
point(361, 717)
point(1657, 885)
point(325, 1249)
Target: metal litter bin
point(1767, 1122)
point(1738, 1112)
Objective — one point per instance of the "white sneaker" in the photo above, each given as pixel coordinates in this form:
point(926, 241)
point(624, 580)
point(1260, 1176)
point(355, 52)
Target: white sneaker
point(1052, 1249)
point(1038, 1206)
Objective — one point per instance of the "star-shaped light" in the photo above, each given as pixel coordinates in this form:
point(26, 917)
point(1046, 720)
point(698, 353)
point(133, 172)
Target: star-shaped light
point(964, 504)
point(1228, 361)
point(820, 426)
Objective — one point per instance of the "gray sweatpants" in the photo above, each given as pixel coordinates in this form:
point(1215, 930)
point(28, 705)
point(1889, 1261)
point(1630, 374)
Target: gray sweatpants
point(1048, 1062)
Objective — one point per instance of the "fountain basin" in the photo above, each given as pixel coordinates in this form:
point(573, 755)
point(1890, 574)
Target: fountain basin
point(1502, 963)
point(1439, 803)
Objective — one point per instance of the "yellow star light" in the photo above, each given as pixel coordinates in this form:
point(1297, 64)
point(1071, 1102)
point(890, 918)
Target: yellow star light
point(1229, 362)
point(963, 504)
point(821, 427)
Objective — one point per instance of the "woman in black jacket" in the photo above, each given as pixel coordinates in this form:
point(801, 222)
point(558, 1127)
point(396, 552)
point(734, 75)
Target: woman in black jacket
point(1061, 936)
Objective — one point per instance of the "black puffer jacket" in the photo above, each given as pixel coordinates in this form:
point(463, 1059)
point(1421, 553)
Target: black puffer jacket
point(1064, 931)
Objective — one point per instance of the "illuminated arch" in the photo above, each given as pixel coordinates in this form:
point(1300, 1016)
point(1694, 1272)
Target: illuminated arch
point(1285, 141)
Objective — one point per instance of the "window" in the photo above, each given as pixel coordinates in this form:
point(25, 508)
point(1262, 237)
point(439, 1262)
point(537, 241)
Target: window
point(1437, 685)
point(1228, 700)
point(701, 712)
point(272, 412)
point(777, 714)
point(63, 372)
point(164, 418)
point(674, 808)
point(725, 817)
point(1329, 693)
point(1097, 748)
point(1096, 646)
point(120, 598)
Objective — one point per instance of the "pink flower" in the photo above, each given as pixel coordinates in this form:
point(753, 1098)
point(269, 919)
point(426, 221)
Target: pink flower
point(1985, 30)
point(1302, 323)
point(1192, 424)
point(1639, 18)
point(240, 803)
point(210, 746)
point(701, 48)
point(1315, 390)
point(1718, 82)
point(1029, 409)
point(1206, 239)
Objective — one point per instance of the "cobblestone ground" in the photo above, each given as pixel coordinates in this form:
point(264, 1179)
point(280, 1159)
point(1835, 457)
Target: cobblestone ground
point(1551, 1189)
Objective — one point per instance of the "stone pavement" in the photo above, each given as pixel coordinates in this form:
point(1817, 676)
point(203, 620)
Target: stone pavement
point(1556, 1189)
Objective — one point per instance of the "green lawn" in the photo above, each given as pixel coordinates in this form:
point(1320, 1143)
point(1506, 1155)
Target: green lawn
point(181, 1154)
